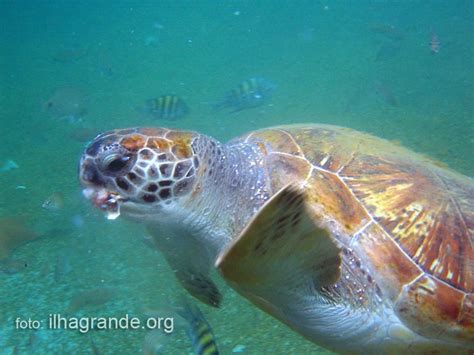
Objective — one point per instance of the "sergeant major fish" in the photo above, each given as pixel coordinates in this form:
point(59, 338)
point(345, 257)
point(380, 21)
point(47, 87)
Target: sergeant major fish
point(250, 93)
point(166, 107)
point(199, 330)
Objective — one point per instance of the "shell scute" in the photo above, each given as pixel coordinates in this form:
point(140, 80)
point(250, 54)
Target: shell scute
point(337, 201)
point(419, 212)
point(430, 306)
point(133, 142)
point(318, 146)
point(275, 140)
point(162, 145)
point(284, 168)
point(394, 268)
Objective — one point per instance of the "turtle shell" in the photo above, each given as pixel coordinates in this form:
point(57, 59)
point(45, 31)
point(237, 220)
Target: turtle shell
point(410, 219)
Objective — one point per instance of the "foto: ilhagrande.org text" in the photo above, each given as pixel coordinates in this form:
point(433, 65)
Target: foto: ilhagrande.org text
point(84, 324)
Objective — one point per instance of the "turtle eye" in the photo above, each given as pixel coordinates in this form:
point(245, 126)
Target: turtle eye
point(115, 164)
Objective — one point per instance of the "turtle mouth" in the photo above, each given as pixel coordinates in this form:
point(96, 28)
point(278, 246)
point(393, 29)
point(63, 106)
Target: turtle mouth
point(105, 200)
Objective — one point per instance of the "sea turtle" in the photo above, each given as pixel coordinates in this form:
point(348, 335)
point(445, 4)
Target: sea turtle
point(358, 244)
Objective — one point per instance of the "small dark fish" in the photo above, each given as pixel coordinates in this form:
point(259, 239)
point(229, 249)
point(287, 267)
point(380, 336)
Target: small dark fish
point(62, 266)
point(387, 51)
point(106, 71)
point(14, 233)
point(33, 340)
point(106, 65)
point(250, 93)
point(385, 93)
point(95, 350)
point(83, 134)
point(387, 30)
point(12, 266)
point(435, 44)
point(199, 330)
point(166, 107)
point(69, 55)
point(91, 298)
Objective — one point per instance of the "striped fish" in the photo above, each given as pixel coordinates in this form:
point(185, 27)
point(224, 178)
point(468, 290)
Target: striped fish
point(166, 107)
point(199, 330)
point(250, 93)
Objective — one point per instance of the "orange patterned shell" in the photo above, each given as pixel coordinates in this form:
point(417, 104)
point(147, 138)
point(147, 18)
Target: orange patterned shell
point(134, 139)
point(408, 217)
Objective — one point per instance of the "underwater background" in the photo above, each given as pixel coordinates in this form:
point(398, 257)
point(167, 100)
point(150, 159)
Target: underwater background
point(401, 70)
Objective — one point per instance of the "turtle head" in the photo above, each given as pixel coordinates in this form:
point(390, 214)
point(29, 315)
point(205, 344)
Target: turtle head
point(139, 171)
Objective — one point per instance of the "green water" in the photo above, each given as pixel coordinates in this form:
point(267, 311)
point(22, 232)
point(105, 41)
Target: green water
point(325, 60)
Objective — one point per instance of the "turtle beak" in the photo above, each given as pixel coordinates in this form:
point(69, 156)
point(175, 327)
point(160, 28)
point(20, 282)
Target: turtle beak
point(107, 201)
point(95, 190)
point(89, 175)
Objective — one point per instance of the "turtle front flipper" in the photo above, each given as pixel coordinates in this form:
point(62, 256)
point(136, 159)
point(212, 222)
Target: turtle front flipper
point(281, 252)
point(190, 264)
point(200, 286)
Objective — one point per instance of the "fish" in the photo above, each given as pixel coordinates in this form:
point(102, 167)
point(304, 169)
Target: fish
point(91, 298)
point(94, 349)
point(149, 242)
point(150, 40)
point(33, 340)
point(77, 221)
point(106, 65)
point(12, 266)
point(32, 345)
point(388, 50)
point(199, 331)
point(157, 25)
point(69, 55)
point(67, 103)
point(435, 44)
point(387, 30)
point(13, 234)
point(106, 71)
point(307, 35)
point(54, 203)
point(8, 165)
point(62, 266)
point(385, 93)
point(166, 107)
point(238, 349)
point(83, 134)
point(154, 343)
point(250, 93)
